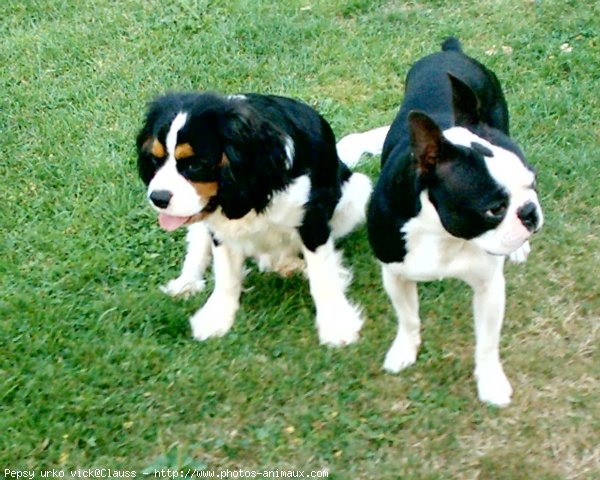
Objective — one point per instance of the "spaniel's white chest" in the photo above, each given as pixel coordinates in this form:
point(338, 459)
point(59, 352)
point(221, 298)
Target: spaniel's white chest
point(270, 237)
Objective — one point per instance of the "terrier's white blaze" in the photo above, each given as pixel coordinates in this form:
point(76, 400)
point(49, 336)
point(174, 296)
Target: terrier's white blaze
point(506, 167)
point(509, 172)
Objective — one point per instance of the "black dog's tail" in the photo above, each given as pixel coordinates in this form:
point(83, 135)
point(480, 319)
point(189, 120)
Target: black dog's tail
point(451, 43)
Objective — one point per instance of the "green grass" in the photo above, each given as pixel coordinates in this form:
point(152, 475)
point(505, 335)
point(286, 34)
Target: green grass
point(98, 368)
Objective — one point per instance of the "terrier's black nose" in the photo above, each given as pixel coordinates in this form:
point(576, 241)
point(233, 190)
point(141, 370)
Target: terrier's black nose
point(161, 198)
point(528, 216)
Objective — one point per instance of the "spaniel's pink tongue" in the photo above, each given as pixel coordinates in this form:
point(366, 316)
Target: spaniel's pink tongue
point(170, 223)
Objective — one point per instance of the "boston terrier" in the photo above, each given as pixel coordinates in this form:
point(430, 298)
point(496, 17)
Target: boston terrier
point(454, 198)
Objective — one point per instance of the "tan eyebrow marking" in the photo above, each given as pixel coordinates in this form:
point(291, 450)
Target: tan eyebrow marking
point(206, 189)
point(158, 150)
point(183, 150)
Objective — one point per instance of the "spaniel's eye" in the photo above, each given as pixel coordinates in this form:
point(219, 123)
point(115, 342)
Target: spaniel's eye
point(187, 164)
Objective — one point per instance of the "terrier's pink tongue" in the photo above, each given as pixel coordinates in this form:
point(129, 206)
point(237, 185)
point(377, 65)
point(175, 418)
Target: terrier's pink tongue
point(170, 223)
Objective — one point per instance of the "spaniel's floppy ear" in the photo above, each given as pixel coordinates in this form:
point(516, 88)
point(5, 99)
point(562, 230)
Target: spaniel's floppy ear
point(149, 149)
point(253, 163)
point(144, 143)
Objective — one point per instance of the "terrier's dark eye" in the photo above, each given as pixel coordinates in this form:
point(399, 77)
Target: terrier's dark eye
point(497, 211)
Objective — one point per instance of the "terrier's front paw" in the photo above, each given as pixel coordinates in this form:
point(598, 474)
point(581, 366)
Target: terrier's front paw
point(520, 254)
point(214, 319)
point(338, 324)
point(492, 385)
point(183, 286)
point(402, 354)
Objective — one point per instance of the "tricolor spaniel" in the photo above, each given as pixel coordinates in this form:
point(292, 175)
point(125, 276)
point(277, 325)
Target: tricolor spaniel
point(252, 176)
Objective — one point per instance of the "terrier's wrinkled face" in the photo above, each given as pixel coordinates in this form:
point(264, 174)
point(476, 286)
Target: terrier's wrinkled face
point(181, 171)
point(489, 196)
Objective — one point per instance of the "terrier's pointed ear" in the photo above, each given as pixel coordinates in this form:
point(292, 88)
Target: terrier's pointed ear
point(465, 103)
point(427, 141)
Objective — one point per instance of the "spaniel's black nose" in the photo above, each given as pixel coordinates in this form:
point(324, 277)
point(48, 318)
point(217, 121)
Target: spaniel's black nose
point(161, 198)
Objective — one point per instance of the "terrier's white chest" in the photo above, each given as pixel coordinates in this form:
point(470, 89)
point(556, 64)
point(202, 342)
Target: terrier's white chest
point(433, 254)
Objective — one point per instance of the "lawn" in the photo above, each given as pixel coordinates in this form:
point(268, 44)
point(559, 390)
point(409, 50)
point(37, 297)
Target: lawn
point(97, 366)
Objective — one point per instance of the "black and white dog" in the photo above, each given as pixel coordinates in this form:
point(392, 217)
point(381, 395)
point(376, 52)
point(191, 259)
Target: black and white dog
point(252, 176)
point(455, 196)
